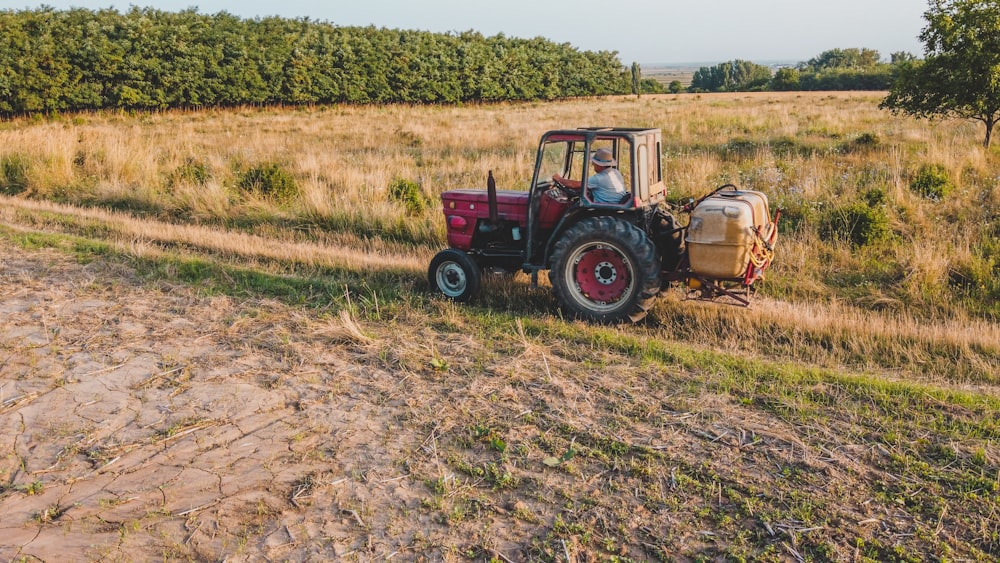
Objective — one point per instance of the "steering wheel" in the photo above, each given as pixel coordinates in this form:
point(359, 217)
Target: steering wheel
point(566, 189)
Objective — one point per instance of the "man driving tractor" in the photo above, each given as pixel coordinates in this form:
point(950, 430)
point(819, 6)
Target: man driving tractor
point(607, 184)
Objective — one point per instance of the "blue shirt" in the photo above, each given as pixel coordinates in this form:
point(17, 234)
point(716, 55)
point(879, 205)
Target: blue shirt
point(607, 186)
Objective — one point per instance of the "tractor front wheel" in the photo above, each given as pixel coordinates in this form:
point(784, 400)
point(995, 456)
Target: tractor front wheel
point(455, 274)
point(605, 270)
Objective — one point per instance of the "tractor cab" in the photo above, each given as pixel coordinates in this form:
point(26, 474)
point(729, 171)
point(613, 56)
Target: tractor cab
point(567, 154)
point(636, 155)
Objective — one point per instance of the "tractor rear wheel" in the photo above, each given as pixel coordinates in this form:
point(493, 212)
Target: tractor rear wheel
point(455, 274)
point(605, 270)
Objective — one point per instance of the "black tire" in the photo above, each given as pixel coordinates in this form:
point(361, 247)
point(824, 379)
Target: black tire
point(605, 270)
point(455, 274)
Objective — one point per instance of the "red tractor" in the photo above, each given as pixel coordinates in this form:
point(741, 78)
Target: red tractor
point(608, 259)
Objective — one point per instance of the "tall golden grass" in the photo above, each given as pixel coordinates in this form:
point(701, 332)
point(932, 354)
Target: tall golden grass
point(348, 155)
point(804, 150)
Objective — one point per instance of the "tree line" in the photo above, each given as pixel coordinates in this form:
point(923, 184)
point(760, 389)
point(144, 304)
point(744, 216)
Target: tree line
point(78, 59)
point(835, 69)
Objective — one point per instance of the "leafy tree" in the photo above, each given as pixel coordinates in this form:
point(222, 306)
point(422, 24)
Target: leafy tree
point(732, 76)
point(785, 80)
point(960, 74)
point(675, 87)
point(900, 57)
point(843, 58)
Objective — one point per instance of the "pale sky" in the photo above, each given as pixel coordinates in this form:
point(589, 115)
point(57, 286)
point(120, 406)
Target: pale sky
point(643, 31)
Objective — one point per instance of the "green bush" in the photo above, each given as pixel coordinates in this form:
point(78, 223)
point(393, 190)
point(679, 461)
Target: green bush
point(13, 175)
point(858, 223)
point(741, 146)
point(977, 276)
point(191, 171)
point(974, 275)
point(786, 145)
point(874, 197)
point(269, 181)
point(932, 181)
point(796, 212)
point(864, 142)
point(409, 194)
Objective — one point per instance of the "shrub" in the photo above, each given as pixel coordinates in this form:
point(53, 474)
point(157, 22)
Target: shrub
point(787, 146)
point(13, 175)
point(797, 211)
point(858, 223)
point(874, 197)
point(932, 181)
point(796, 214)
point(862, 143)
point(269, 181)
point(977, 276)
point(409, 194)
point(191, 171)
point(866, 140)
point(741, 147)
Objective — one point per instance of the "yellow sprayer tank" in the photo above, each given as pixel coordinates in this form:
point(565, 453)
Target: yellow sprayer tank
point(722, 232)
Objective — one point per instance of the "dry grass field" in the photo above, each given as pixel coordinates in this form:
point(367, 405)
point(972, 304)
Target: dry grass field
point(195, 368)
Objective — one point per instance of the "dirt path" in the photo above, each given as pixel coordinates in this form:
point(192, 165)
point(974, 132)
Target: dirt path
point(141, 423)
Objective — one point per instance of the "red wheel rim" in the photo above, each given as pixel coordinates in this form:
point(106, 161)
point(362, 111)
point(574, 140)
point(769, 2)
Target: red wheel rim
point(601, 274)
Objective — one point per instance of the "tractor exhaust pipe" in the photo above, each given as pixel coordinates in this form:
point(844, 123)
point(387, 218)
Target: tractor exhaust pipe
point(491, 195)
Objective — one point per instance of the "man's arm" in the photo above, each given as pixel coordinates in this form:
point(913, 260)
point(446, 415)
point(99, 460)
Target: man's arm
point(572, 184)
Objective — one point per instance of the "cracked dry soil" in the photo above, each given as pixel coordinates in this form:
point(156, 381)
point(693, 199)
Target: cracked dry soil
point(144, 422)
